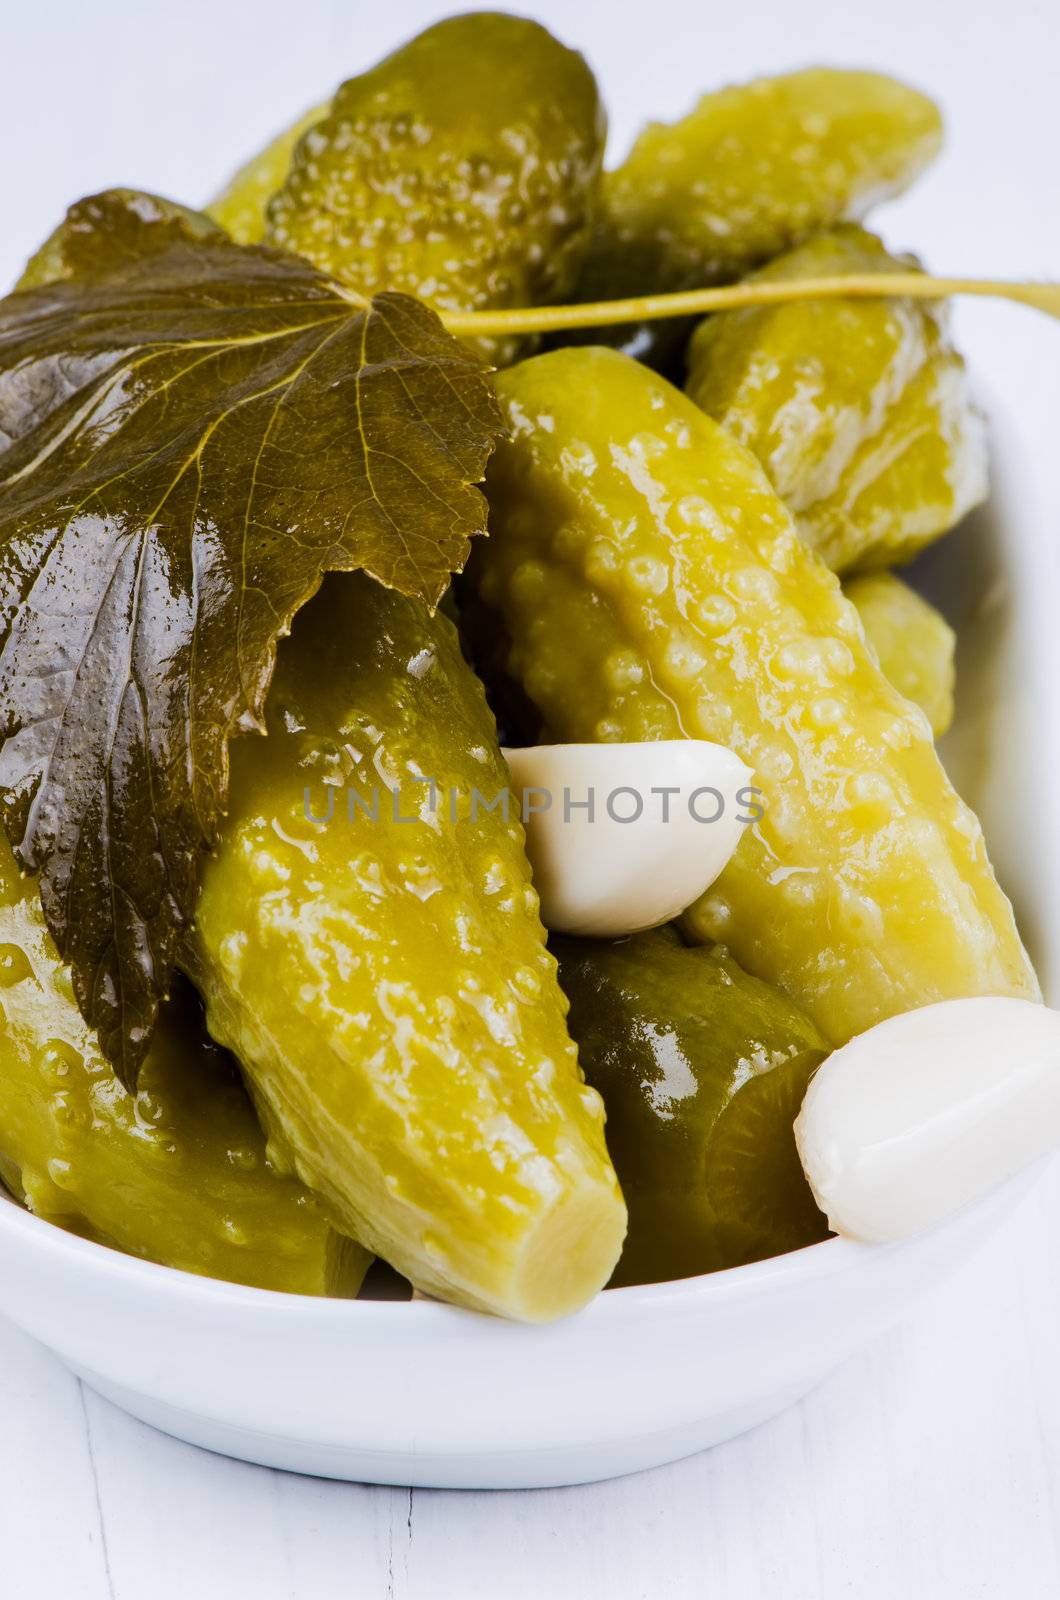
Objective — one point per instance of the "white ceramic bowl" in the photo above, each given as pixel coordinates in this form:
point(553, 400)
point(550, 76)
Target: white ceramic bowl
point(419, 1393)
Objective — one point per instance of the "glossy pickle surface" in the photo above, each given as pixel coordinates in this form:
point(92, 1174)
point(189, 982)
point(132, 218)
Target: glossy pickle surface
point(702, 1069)
point(647, 583)
point(462, 168)
point(858, 410)
point(749, 172)
point(386, 984)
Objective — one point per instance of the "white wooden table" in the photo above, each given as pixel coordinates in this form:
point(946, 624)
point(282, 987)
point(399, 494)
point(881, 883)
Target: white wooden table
point(930, 1466)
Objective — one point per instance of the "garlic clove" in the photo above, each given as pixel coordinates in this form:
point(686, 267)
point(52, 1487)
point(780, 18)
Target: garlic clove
point(927, 1111)
point(623, 837)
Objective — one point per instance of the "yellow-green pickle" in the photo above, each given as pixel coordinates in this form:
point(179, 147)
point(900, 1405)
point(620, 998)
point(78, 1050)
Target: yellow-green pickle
point(386, 984)
point(857, 409)
point(176, 1172)
point(751, 171)
point(462, 169)
point(914, 643)
point(702, 1070)
point(83, 243)
point(650, 584)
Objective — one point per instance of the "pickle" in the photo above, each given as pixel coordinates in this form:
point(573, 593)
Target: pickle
point(914, 643)
point(461, 169)
point(178, 1172)
point(755, 169)
point(240, 206)
point(651, 585)
point(90, 237)
point(857, 409)
point(750, 172)
point(386, 984)
point(702, 1070)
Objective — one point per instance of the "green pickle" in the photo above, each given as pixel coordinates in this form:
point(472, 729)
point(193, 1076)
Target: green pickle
point(702, 1070)
point(857, 409)
point(386, 984)
point(914, 643)
point(461, 169)
point(86, 240)
point(753, 170)
point(240, 207)
point(647, 583)
point(178, 1172)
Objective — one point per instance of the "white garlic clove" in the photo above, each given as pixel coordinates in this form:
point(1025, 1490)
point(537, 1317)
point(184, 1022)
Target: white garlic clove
point(665, 819)
point(927, 1111)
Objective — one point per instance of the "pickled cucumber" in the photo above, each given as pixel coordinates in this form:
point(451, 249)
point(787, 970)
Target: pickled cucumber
point(385, 982)
point(754, 169)
point(857, 409)
point(702, 1070)
point(176, 1173)
point(650, 584)
point(751, 171)
point(461, 169)
point(240, 206)
point(914, 643)
point(88, 240)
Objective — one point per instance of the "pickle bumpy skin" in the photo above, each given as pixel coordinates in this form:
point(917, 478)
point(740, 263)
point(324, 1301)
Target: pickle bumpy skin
point(177, 1172)
point(753, 170)
point(461, 169)
point(653, 586)
point(386, 984)
point(703, 1070)
point(857, 409)
point(914, 643)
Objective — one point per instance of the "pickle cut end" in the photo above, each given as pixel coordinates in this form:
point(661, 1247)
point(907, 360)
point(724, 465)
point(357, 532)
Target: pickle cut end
point(569, 1256)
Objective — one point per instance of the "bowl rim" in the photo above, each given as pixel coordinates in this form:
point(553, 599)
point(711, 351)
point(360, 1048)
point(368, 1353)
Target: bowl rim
point(811, 1264)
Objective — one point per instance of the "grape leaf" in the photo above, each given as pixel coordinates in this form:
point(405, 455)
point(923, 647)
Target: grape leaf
point(187, 444)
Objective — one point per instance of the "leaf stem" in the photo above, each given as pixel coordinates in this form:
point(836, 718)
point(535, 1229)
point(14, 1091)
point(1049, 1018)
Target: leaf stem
point(649, 308)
